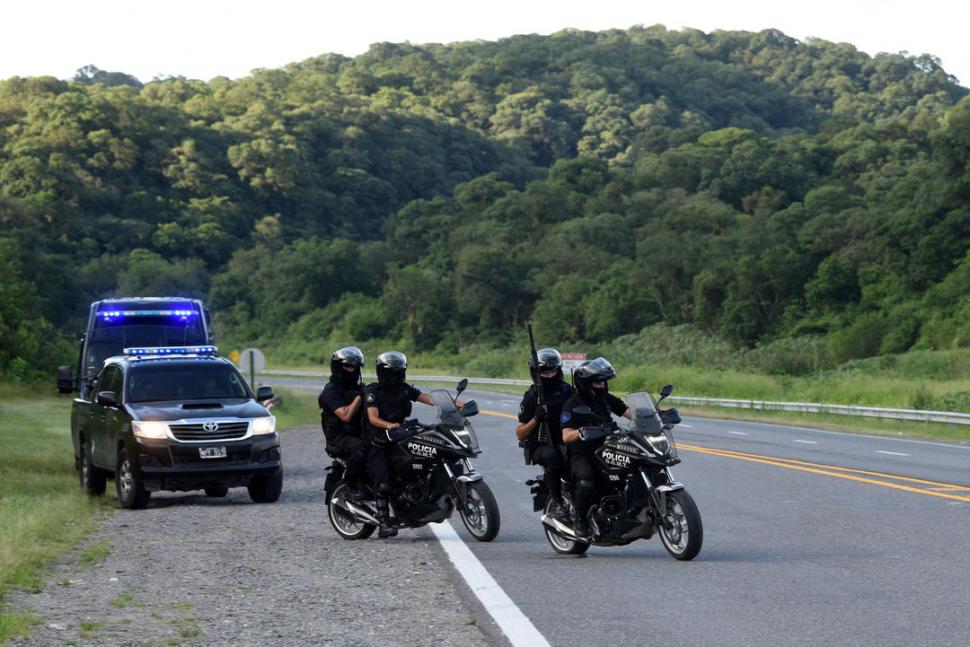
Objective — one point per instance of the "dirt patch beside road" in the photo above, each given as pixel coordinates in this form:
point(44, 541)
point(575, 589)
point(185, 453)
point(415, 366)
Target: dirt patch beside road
point(193, 570)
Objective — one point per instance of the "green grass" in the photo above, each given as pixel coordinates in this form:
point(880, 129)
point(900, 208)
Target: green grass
point(296, 408)
point(94, 553)
point(43, 512)
point(124, 600)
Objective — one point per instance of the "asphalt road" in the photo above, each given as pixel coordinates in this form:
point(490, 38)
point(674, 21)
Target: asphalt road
point(811, 537)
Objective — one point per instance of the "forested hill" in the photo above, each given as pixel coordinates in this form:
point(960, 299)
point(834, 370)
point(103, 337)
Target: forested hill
point(748, 184)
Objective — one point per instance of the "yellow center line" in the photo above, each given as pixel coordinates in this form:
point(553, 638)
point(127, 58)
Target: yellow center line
point(824, 466)
point(487, 412)
point(767, 460)
point(818, 468)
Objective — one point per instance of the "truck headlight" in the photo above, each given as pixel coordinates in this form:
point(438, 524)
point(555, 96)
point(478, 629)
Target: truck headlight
point(149, 429)
point(264, 425)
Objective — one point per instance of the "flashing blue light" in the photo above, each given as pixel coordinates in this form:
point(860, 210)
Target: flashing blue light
point(114, 314)
point(156, 351)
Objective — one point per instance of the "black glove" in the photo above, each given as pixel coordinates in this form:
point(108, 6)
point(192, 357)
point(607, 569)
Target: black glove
point(540, 416)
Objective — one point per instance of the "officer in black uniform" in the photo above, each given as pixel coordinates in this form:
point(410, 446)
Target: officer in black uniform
point(388, 403)
point(591, 390)
point(341, 409)
point(548, 451)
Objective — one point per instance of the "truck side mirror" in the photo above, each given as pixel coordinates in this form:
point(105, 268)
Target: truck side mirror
point(65, 380)
point(264, 393)
point(108, 398)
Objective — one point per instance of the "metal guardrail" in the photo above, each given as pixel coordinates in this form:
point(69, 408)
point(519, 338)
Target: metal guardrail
point(411, 378)
point(919, 415)
point(947, 417)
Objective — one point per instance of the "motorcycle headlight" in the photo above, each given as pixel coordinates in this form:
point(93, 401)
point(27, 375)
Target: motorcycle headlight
point(264, 425)
point(659, 444)
point(149, 429)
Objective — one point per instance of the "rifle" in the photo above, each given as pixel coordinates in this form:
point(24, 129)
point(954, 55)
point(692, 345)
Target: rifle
point(542, 434)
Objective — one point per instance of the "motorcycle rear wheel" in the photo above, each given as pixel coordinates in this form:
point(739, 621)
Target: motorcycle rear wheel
point(560, 543)
point(683, 541)
point(480, 512)
point(341, 520)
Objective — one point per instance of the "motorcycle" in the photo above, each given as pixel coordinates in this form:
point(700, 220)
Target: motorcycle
point(638, 497)
point(433, 475)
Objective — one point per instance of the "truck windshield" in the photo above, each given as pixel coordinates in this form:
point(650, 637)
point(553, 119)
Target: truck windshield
point(185, 381)
point(110, 338)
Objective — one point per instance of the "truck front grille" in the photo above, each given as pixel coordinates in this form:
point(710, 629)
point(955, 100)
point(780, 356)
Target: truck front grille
point(197, 431)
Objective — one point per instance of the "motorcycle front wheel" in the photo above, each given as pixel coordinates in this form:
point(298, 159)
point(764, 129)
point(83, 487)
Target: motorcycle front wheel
point(342, 521)
point(480, 512)
point(686, 534)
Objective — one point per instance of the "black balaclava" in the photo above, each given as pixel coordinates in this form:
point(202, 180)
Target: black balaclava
point(348, 356)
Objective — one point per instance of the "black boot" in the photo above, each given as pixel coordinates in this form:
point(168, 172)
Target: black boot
point(385, 530)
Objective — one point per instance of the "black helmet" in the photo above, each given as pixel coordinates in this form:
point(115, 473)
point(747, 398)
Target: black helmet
point(347, 356)
point(391, 368)
point(549, 358)
point(597, 370)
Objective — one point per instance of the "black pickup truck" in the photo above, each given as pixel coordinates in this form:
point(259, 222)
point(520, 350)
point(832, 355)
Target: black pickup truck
point(175, 418)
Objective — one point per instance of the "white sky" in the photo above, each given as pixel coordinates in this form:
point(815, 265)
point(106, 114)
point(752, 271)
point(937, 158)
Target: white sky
point(207, 38)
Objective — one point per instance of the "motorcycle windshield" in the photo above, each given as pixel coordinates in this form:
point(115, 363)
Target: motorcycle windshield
point(646, 419)
point(450, 417)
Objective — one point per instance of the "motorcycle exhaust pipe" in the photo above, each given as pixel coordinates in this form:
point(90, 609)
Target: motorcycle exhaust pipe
point(359, 513)
point(560, 527)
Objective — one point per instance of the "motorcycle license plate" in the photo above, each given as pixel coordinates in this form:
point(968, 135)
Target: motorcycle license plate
point(212, 452)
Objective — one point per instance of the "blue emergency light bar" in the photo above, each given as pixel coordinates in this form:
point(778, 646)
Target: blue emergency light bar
point(116, 314)
point(171, 350)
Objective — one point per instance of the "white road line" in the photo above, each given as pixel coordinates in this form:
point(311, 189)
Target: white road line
point(738, 433)
point(687, 426)
point(807, 442)
point(879, 451)
point(514, 624)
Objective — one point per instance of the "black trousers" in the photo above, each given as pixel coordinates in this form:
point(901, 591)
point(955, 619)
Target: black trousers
point(352, 449)
point(553, 464)
point(379, 467)
point(584, 476)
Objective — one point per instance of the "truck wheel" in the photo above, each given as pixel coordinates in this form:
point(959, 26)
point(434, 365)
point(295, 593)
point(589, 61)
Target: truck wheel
point(131, 491)
point(93, 479)
point(266, 489)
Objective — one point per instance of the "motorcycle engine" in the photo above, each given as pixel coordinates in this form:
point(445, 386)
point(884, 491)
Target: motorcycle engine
point(610, 516)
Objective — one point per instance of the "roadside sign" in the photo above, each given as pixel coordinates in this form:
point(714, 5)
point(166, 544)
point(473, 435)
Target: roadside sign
point(572, 361)
point(252, 361)
point(234, 357)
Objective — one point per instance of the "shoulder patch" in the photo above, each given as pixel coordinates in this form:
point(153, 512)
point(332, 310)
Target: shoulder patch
point(370, 397)
point(566, 415)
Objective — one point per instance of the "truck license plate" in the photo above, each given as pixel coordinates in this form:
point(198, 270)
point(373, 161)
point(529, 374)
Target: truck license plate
point(212, 452)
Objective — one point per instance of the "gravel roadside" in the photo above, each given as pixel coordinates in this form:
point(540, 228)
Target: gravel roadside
point(191, 570)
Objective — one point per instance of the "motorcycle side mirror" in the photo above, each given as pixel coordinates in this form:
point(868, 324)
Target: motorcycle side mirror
point(470, 409)
point(462, 385)
point(665, 391)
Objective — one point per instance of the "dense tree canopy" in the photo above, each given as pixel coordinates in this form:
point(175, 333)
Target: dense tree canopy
point(748, 184)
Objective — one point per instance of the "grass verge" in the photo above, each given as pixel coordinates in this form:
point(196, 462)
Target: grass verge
point(43, 512)
point(296, 408)
point(873, 426)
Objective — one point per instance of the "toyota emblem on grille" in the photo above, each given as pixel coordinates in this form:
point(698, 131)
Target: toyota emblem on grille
point(210, 426)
